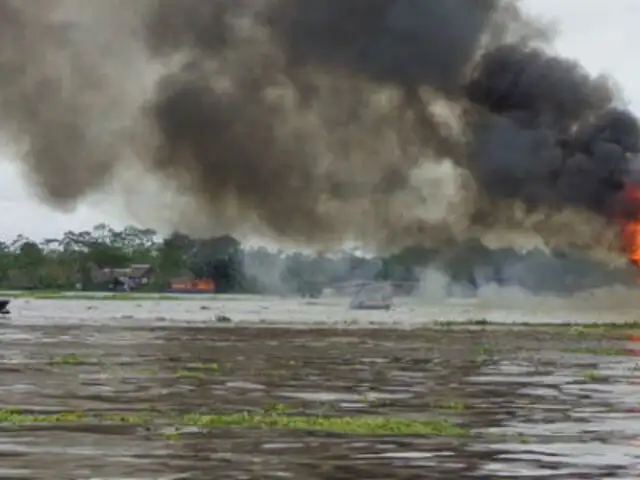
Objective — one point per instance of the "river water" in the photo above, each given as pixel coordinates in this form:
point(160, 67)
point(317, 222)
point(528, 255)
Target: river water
point(538, 403)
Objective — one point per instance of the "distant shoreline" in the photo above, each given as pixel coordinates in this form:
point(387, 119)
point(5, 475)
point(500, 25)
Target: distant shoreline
point(498, 297)
point(104, 296)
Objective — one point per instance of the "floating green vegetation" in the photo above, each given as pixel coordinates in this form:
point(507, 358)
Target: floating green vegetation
point(209, 367)
point(591, 376)
point(199, 370)
point(70, 359)
point(272, 419)
point(190, 374)
point(453, 405)
point(362, 425)
point(522, 439)
point(19, 417)
point(599, 351)
point(484, 350)
point(569, 327)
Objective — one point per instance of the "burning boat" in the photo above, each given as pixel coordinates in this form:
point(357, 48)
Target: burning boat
point(631, 224)
point(373, 296)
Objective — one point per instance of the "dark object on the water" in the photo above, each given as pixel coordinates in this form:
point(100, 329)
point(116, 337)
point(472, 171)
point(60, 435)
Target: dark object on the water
point(4, 307)
point(375, 296)
point(223, 319)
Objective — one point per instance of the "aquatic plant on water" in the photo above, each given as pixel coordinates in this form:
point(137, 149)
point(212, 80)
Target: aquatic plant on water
point(274, 419)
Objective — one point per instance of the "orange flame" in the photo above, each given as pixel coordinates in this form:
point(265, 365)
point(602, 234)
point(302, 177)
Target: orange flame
point(631, 243)
point(631, 227)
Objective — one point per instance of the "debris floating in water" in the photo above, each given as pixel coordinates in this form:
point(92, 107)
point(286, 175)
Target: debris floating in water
point(223, 319)
point(375, 296)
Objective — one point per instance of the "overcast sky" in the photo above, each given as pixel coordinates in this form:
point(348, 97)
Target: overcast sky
point(604, 36)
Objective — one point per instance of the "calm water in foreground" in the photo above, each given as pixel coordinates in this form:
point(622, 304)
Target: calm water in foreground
point(540, 403)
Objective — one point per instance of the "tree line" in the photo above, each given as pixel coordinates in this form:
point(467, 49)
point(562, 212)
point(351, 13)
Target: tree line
point(69, 262)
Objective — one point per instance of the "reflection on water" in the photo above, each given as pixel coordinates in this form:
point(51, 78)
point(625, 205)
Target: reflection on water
point(539, 405)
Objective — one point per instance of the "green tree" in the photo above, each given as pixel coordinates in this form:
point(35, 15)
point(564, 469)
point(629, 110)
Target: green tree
point(62, 263)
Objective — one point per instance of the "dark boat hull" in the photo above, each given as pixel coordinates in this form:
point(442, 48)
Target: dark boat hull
point(371, 307)
point(4, 307)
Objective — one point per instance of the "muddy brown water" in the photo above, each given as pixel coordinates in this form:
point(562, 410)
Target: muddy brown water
point(539, 404)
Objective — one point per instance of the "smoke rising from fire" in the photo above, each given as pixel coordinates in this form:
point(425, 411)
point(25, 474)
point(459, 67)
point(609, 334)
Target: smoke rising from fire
point(385, 121)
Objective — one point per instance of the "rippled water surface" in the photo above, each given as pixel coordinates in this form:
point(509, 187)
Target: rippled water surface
point(538, 403)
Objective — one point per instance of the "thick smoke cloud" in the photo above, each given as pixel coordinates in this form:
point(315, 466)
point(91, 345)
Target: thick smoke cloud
point(385, 121)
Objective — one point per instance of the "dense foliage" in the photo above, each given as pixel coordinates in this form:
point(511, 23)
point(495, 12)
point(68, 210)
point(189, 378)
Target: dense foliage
point(68, 263)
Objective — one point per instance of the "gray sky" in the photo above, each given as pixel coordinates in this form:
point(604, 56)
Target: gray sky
point(603, 36)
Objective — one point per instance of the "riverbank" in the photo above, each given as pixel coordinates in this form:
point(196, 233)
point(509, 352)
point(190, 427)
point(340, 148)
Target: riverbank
point(102, 296)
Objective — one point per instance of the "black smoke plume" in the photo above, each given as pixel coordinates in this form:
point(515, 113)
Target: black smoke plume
point(385, 121)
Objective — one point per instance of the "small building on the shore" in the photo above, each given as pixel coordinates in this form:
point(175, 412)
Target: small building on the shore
point(127, 279)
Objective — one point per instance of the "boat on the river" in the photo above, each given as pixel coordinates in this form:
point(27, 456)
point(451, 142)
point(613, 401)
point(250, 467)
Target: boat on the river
point(4, 307)
point(374, 296)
